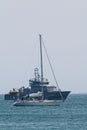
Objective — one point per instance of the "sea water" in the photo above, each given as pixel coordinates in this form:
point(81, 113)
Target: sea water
point(71, 115)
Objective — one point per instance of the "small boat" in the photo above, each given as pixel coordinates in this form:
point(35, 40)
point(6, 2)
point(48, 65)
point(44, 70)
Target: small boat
point(37, 102)
point(12, 95)
point(17, 93)
point(41, 93)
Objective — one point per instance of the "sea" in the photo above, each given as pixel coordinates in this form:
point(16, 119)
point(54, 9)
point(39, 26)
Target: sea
point(70, 115)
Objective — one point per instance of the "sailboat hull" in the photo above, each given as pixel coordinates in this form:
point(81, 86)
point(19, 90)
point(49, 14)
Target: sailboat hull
point(51, 100)
point(38, 103)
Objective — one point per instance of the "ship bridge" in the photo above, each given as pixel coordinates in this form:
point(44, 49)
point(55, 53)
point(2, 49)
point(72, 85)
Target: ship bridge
point(37, 79)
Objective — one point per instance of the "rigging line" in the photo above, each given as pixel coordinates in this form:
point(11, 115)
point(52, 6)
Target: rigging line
point(52, 70)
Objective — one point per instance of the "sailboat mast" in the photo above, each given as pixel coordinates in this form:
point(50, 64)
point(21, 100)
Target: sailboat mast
point(41, 58)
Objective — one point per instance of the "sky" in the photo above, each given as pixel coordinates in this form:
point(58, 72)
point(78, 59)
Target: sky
point(63, 25)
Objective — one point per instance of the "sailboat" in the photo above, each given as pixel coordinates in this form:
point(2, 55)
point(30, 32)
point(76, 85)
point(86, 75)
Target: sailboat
point(41, 93)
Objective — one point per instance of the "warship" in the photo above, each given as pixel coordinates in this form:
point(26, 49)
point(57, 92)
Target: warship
point(39, 91)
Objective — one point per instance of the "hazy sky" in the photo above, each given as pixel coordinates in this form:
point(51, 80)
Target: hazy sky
point(63, 25)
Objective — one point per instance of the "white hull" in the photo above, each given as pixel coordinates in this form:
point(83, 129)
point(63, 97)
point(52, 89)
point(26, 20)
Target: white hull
point(38, 103)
